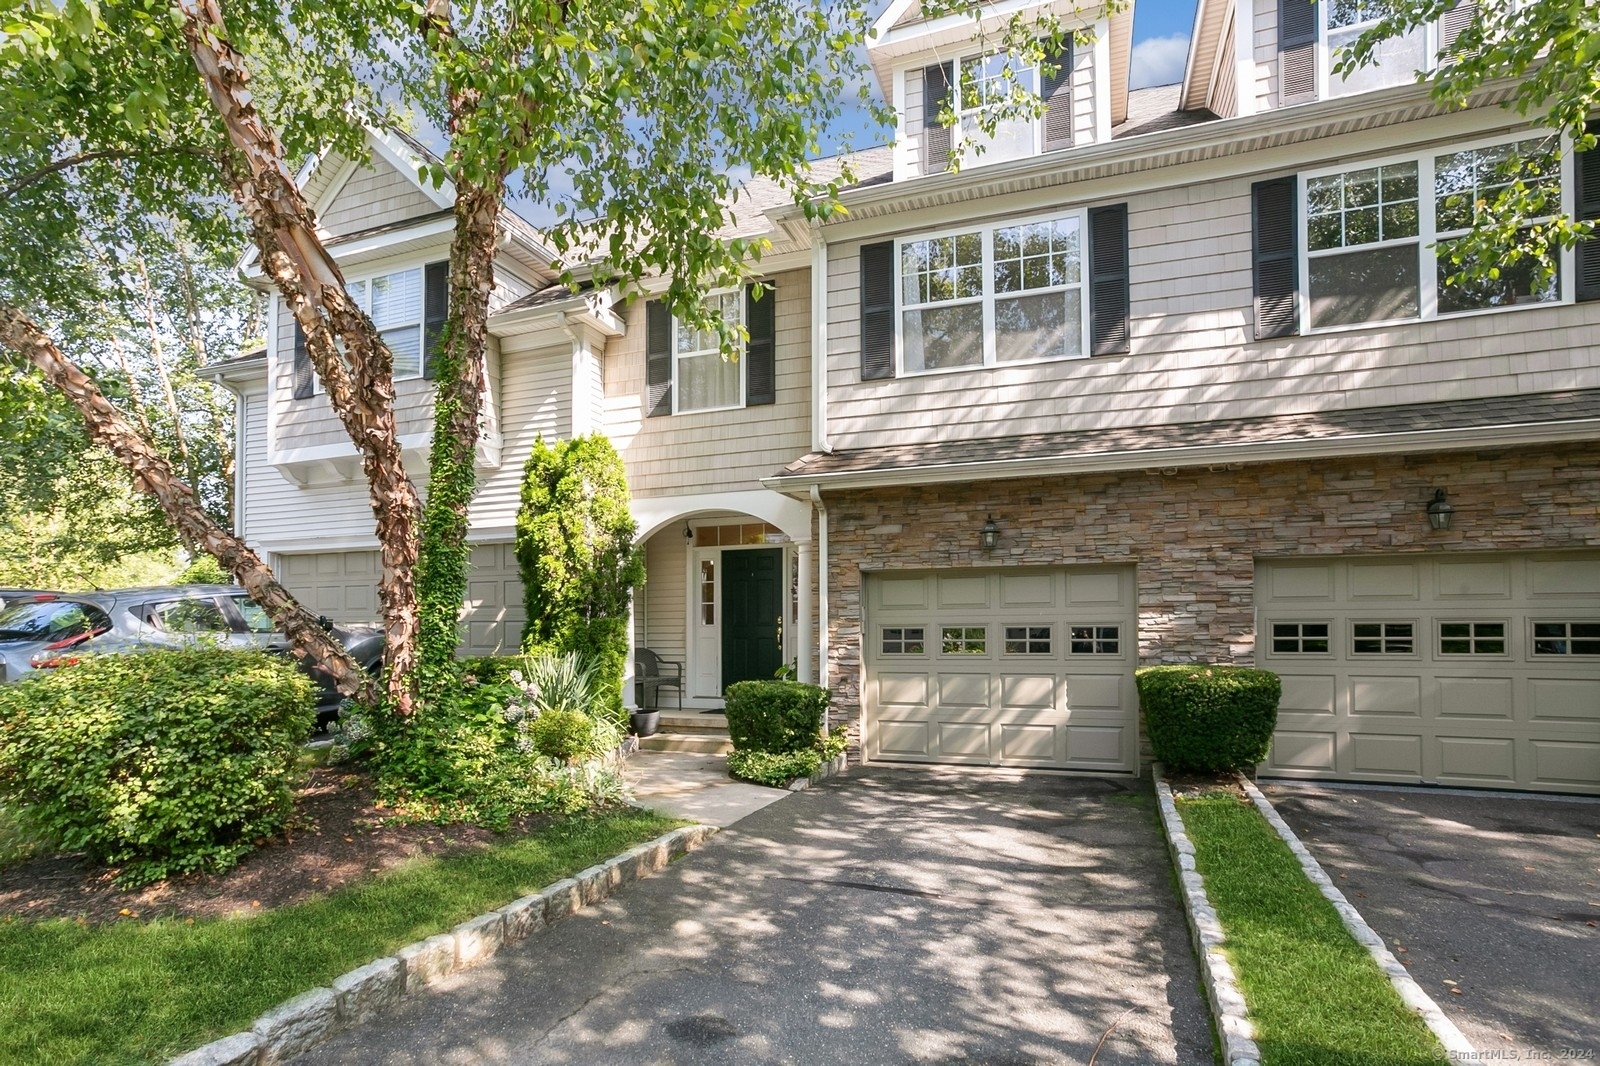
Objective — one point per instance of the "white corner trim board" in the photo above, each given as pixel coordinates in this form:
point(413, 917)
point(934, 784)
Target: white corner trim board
point(1222, 988)
point(1455, 1044)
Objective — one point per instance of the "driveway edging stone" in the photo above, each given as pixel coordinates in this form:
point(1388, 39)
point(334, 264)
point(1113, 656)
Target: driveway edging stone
point(1227, 1004)
point(306, 1020)
point(1411, 993)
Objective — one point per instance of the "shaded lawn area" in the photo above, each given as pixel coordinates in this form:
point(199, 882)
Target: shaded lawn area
point(1316, 996)
point(139, 992)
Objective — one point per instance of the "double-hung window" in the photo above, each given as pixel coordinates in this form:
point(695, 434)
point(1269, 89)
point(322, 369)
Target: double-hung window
point(1395, 61)
point(394, 303)
point(986, 81)
point(998, 294)
point(1378, 236)
point(705, 380)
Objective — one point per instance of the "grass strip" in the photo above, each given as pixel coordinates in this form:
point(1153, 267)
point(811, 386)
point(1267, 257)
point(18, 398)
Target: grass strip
point(1315, 995)
point(139, 992)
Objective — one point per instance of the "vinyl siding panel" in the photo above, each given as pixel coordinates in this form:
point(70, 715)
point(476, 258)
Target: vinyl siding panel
point(1224, 95)
point(660, 626)
point(1083, 95)
point(1266, 38)
point(375, 195)
point(278, 511)
point(535, 400)
point(713, 451)
point(1194, 357)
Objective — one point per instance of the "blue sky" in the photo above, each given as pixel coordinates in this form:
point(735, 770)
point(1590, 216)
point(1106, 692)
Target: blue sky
point(1160, 41)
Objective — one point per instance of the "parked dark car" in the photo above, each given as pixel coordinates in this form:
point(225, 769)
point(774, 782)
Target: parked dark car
point(57, 631)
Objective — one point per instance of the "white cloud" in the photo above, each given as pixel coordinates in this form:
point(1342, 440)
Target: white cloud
point(1158, 61)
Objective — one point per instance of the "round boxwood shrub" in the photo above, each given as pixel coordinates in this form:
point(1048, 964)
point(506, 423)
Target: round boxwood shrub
point(1209, 718)
point(563, 734)
point(775, 716)
point(162, 762)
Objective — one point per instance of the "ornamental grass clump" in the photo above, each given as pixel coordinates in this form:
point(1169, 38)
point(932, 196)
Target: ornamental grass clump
point(159, 763)
point(1209, 718)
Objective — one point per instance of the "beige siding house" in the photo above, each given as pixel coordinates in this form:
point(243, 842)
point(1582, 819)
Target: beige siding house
point(1172, 375)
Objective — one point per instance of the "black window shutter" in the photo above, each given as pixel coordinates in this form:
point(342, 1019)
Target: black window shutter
point(761, 354)
point(1588, 168)
point(1297, 51)
point(1108, 280)
point(305, 383)
point(435, 311)
point(935, 134)
point(877, 311)
point(1277, 258)
point(1056, 91)
point(657, 359)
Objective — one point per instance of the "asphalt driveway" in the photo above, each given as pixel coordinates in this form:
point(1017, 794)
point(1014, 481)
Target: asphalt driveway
point(890, 916)
point(1499, 894)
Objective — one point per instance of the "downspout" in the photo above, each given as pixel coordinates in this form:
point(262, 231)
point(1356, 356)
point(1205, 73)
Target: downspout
point(819, 344)
point(822, 592)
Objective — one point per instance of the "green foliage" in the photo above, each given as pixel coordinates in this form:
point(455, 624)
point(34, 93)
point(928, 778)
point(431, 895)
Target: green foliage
point(577, 556)
point(161, 763)
point(566, 682)
point(562, 735)
point(204, 570)
point(1210, 718)
point(774, 768)
point(1549, 49)
point(775, 716)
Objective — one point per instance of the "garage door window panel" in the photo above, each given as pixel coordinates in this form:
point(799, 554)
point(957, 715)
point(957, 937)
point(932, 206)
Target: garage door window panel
point(1474, 638)
point(1096, 640)
point(903, 640)
point(1566, 638)
point(1302, 638)
point(1387, 639)
point(964, 640)
point(1028, 640)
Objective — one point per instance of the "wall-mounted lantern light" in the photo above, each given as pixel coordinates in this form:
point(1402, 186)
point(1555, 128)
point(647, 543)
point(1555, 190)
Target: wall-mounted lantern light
point(688, 534)
point(1439, 511)
point(989, 535)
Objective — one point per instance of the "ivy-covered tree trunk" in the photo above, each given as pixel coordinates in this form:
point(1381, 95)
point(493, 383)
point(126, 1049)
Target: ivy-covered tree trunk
point(577, 556)
point(153, 474)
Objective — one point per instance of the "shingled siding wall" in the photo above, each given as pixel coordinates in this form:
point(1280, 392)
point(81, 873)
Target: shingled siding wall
point(1195, 535)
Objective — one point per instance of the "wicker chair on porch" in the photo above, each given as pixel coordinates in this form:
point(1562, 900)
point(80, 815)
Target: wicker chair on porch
point(651, 674)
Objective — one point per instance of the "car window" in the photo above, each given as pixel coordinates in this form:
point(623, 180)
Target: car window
point(190, 616)
point(53, 620)
point(256, 618)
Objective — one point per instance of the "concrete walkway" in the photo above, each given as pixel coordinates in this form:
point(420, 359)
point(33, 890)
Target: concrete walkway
point(1491, 900)
point(696, 787)
point(882, 917)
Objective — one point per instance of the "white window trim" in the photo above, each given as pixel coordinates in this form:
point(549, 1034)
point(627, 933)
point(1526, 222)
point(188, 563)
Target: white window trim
point(422, 317)
point(985, 232)
point(677, 392)
point(1325, 75)
point(1427, 234)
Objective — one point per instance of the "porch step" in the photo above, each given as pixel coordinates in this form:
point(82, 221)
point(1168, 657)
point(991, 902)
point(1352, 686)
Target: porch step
point(693, 723)
point(699, 743)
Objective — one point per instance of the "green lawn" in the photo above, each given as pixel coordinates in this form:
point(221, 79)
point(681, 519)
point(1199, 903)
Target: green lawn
point(139, 992)
point(1315, 995)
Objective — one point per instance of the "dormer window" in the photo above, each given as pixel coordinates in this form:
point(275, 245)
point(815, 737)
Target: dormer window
point(978, 81)
point(986, 81)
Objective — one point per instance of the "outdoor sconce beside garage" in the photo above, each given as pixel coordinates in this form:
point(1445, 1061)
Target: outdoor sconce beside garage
point(989, 535)
point(1439, 511)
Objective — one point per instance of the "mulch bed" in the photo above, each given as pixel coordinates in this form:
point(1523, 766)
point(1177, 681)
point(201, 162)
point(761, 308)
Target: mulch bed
point(1202, 784)
point(338, 836)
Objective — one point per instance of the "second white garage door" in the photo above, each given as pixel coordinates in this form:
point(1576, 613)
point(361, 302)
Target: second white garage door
point(1020, 667)
point(1469, 670)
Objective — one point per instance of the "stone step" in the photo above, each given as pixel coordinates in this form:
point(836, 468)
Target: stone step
point(692, 723)
point(699, 743)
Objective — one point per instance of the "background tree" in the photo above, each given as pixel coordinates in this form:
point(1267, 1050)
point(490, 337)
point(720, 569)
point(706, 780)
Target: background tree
point(1550, 50)
point(577, 556)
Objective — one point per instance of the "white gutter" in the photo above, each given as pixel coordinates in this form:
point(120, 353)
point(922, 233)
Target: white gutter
point(819, 343)
point(1427, 440)
point(822, 589)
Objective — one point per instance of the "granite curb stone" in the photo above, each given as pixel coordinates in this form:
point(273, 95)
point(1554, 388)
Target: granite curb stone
point(832, 768)
point(308, 1019)
point(1222, 988)
point(1411, 994)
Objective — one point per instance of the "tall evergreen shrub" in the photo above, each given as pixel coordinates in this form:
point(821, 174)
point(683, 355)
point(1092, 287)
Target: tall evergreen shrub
point(577, 556)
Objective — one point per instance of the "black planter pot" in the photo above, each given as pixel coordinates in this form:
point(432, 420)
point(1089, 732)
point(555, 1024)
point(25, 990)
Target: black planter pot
point(644, 723)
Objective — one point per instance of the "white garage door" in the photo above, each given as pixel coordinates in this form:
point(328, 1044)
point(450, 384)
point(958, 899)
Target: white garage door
point(1469, 670)
point(1020, 667)
point(344, 587)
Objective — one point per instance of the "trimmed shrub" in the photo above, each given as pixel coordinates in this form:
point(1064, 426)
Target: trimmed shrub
point(775, 716)
point(564, 735)
point(163, 762)
point(1209, 718)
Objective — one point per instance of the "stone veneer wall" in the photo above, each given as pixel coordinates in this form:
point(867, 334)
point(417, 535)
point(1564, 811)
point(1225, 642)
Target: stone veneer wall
point(1195, 535)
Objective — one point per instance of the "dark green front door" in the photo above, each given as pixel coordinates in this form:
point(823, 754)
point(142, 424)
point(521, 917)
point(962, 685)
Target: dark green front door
point(752, 612)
